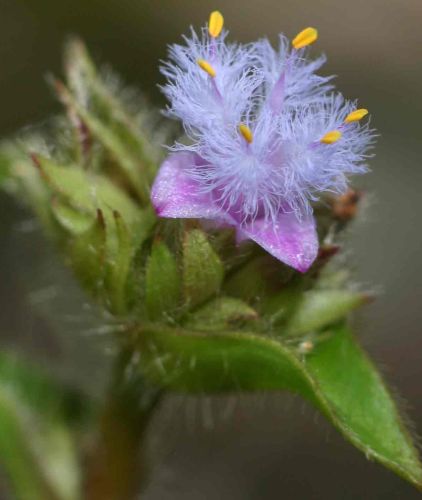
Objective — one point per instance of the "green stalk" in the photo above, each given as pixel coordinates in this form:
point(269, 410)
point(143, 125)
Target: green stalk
point(116, 465)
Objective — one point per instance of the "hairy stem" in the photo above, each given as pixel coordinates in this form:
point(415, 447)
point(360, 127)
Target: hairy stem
point(116, 466)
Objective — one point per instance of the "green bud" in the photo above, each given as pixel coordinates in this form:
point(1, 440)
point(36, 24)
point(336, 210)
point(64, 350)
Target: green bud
point(202, 268)
point(319, 308)
point(222, 313)
point(87, 256)
point(258, 279)
point(162, 282)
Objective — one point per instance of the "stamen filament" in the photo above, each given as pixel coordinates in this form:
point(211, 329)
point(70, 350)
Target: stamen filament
point(246, 133)
point(206, 66)
point(356, 115)
point(304, 38)
point(215, 24)
point(331, 137)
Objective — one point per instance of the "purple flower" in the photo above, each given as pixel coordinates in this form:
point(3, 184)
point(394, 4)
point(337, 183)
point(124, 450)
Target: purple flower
point(266, 136)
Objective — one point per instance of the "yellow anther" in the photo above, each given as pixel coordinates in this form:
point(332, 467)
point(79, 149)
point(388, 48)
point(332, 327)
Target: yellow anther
point(356, 115)
point(304, 38)
point(331, 137)
point(206, 66)
point(246, 132)
point(215, 24)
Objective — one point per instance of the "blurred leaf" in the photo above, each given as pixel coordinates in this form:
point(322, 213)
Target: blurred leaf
point(297, 311)
point(72, 220)
point(36, 447)
point(24, 181)
point(202, 268)
point(70, 182)
point(163, 282)
point(220, 314)
point(4, 166)
point(131, 165)
point(317, 309)
point(106, 229)
point(80, 69)
point(87, 191)
point(336, 377)
point(333, 278)
point(94, 94)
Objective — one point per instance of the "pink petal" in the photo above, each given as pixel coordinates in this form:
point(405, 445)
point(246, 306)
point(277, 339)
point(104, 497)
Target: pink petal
point(293, 241)
point(175, 195)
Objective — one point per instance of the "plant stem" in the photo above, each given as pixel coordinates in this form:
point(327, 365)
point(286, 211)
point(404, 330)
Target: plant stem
point(116, 467)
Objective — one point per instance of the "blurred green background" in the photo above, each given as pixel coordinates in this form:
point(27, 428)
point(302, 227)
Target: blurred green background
point(261, 447)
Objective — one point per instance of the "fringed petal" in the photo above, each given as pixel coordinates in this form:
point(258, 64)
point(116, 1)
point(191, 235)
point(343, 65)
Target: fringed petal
point(175, 195)
point(293, 241)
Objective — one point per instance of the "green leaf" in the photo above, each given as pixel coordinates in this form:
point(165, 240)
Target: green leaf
point(162, 281)
point(335, 376)
point(202, 268)
point(36, 447)
point(220, 314)
point(354, 396)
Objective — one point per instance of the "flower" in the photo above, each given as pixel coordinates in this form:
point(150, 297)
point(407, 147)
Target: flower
point(267, 136)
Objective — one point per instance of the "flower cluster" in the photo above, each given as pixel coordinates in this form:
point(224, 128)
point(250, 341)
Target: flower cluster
point(267, 136)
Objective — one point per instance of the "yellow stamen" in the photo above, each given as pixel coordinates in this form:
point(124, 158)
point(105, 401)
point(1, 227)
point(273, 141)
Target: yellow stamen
point(356, 115)
point(206, 66)
point(304, 38)
point(215, 24)
point(246, 132)
point(331, 137)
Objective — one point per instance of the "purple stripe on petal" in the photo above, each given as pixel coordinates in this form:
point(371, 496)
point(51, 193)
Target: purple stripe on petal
point(293, 241)
point(277, 95)
point(175, 195)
